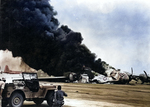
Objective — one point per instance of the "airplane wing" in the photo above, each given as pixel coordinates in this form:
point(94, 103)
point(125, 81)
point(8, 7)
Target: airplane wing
point(53, 79)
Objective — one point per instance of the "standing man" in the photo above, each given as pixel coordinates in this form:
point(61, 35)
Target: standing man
point(2, 86)
point(59, 97)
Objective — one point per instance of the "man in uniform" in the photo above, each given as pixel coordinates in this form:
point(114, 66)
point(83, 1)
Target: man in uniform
point(2, 86)
point(59, 97)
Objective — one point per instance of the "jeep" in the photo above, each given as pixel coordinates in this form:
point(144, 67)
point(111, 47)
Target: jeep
point(26, 86)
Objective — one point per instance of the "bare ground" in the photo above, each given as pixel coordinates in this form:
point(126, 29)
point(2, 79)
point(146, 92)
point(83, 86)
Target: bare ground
point(103, 95)
point(106, 95)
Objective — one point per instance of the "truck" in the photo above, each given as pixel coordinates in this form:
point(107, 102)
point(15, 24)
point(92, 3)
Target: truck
point(26, 86)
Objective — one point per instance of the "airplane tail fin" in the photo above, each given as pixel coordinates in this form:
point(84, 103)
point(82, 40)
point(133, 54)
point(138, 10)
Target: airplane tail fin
point(6, 70)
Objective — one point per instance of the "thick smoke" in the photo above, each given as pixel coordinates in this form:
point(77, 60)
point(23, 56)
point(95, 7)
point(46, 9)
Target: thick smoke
point(14, 63)
point(31, 31)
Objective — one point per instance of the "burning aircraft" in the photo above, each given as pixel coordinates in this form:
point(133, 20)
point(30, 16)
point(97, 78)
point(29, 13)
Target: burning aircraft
point(101, 79)
point(116, 77)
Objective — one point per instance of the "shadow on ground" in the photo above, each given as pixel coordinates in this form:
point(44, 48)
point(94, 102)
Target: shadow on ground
point(43, 105)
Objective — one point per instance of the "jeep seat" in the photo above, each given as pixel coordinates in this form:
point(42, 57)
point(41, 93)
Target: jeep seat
point(33, 85)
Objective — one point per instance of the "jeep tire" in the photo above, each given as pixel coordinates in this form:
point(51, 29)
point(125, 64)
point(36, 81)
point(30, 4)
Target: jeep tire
point(50, 97)
point(16, 100)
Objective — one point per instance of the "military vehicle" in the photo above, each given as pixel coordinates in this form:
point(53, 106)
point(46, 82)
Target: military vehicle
point(26, 86)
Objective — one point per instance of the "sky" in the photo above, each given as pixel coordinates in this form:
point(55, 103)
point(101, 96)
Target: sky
point(117, 31)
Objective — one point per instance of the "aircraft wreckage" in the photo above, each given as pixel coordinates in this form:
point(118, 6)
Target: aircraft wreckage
point(112, 77)
point(116, 77)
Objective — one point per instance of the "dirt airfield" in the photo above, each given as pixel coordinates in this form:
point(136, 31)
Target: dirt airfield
point(103, 95)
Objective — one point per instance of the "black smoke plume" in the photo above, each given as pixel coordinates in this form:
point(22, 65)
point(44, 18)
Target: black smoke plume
point(30, 30)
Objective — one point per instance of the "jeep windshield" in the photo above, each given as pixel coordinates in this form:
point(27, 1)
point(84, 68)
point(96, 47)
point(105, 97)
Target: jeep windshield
point(29, 76)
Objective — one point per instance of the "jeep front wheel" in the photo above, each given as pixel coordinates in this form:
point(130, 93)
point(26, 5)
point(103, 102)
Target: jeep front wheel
point(16, 100)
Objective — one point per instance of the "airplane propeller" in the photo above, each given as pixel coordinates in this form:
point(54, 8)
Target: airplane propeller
point(131, 71)
point(144, 78)
point(133, 76)
point(147, 75)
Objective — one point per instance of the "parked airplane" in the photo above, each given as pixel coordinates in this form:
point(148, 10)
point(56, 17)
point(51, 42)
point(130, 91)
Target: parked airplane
point(144, 77)
point(7, 70)
point(10, 75)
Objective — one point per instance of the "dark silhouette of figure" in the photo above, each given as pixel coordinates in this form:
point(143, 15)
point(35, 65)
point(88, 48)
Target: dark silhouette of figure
point(59, 97)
